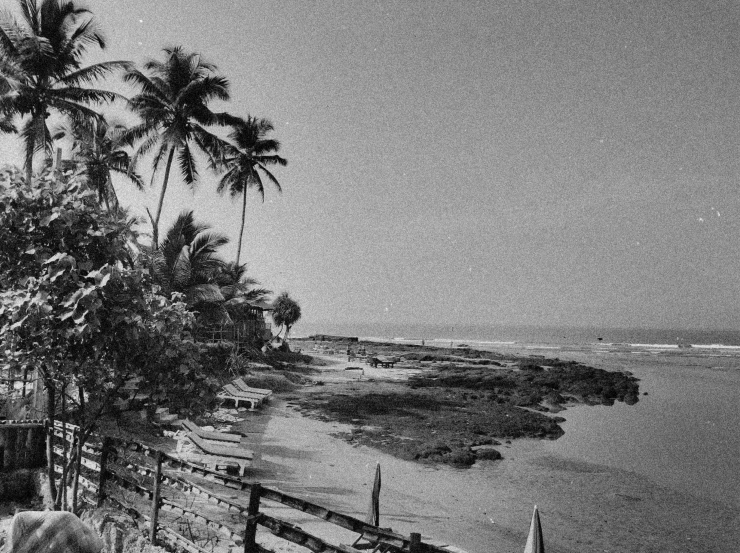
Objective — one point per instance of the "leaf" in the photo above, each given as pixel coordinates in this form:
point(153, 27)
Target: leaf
point(54, 258)
point(49, 218)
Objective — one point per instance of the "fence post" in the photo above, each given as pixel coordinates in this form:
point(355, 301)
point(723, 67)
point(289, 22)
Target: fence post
point(250, 533)
point(155, 500)
point(103, 465)
point(415, 543)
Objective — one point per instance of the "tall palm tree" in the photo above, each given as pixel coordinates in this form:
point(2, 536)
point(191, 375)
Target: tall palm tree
point(187, 262)
point(40, 69)
point(249, 156)
point(98, 146)
point(173, 106)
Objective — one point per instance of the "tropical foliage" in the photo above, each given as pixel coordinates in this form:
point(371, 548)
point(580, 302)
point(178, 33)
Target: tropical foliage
point(41, 69)
point(173, 106)
point(286, 312)
point(97, 145)
point(187, 262)
point(246, 159)
point(78, 308)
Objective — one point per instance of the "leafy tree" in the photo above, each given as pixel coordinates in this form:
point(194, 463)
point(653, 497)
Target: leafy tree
point(40, 69)
point(77, 307)
point(286, 312)
point(173, 106)
point(187, 262)
point(98, 146)
point(252, 153)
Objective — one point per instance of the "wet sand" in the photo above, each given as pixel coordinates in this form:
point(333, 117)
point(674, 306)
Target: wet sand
point(584, 506)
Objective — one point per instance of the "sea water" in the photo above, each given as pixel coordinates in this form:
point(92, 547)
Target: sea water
point(683, 434)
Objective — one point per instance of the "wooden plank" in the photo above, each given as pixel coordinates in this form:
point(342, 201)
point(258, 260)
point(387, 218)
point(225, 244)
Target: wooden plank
point(294, 534)
point(222, 528)
point(87, 463)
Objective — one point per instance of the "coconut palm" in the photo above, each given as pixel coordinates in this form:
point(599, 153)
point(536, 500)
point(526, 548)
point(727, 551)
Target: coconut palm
point(40, 69)
point(98, 146)
point(249, 156)
point(187, 262)
point(173, 106)
point(239, 290)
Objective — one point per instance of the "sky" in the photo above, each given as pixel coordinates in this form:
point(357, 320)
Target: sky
point(495, 162)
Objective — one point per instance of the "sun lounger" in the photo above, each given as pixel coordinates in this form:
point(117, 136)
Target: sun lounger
point(232, 393)
point(244, 387)
point(220, 450)
point(216, 457)
point(205, 434)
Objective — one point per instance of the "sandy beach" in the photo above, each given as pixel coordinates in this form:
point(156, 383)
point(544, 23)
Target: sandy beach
point(584, 506)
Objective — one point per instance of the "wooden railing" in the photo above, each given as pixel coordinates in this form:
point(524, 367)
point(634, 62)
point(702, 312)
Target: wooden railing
point(21, 444)
point(132, 476)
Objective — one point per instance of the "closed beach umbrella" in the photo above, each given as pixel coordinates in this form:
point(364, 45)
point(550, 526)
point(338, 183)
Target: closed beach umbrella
point(535, 543)
point(373, 514)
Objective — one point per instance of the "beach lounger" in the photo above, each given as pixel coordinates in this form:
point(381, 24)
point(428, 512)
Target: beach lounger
point(220, 450)
point(244, 387)
point(205, 434)
point(215, 456)
point(232, 393)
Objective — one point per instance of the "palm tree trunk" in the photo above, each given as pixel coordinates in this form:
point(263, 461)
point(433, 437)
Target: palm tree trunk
point(112, 192)
point(155, 223)
point(29, 172)
point(241, 230)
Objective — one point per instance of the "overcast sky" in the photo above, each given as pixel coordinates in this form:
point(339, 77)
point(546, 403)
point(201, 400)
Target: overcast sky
point(512, 162)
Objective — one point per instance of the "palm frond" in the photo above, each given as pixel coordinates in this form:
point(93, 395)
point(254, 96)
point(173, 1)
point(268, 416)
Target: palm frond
point(91, 73)
point(204, 293)
point(187, 165)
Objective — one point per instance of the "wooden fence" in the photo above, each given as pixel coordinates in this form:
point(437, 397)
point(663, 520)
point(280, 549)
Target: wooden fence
point(21, 444)
point(148, 484)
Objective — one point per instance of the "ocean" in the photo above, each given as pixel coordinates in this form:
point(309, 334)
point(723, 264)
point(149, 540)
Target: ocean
point(683, 432)
point(553, 336)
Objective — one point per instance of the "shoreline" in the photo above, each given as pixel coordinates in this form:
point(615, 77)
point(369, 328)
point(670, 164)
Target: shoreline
point(450, 405)
point(487, 507)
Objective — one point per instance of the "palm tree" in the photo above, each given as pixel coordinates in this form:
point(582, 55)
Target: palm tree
point(98, 146)
point(286, 312)
point(40, 69)
point(235, 283)
point(173, 106)
point(187, 262)
point(250, 155)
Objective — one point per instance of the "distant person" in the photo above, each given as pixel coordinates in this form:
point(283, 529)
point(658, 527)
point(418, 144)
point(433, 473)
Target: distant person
point(422, 342)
